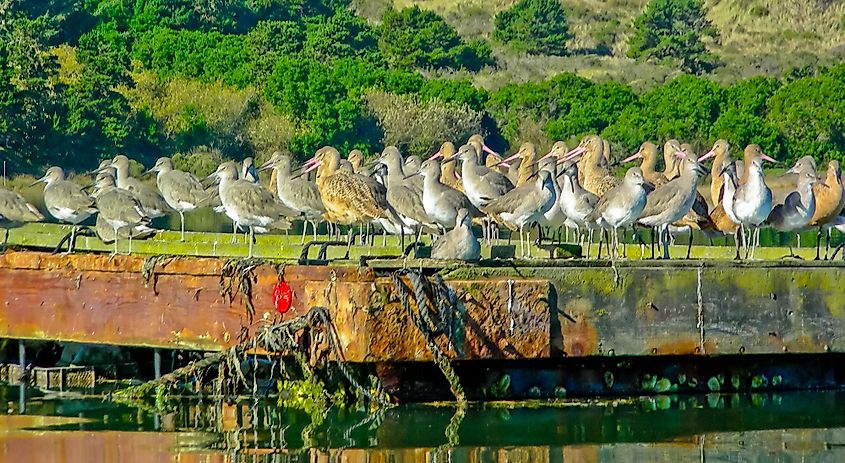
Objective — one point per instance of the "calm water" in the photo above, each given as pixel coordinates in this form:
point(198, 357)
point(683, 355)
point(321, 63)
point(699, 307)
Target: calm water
point(799, 427)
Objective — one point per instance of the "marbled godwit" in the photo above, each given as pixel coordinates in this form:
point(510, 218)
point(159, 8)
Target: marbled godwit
point(829, 203)
point(181, 190)
point(120, 209)
point(527, 155)
point(523, 205)
point(356, 159)
point(798, 208)
point(576, 202)
point(250, 205)
point(486, 156)
point(441, 202)
point(672, 201)
point(648, 153)
point(753, 199)
point(671, 162)
point(405, 200)
point(151, 202)
point(721, 153)
point(459, 243)
point(66, 201)
point(348, 198)
point(297, 193)
point(620, 206)
point(448, 175)
point(596, 179)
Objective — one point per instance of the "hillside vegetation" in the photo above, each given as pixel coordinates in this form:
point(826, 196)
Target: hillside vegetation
point(205, 80)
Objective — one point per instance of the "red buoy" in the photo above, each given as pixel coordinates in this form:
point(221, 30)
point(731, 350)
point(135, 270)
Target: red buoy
point(282, 297)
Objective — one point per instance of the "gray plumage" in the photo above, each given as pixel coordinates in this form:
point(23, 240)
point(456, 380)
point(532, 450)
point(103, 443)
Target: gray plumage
point(459, 243)
point(524, 205)
point(481, 185)
point(250, 205)
point(66, 201)
point(297, 193)
point(576, 202)
point(152, 203)
point(119, 208)
point(670, 202)
point(180, 190)
point(15, 212)
point(404, 198)
point(441, 202)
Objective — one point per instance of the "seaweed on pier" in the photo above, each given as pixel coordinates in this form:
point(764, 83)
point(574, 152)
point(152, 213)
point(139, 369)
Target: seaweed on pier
point(148, 268)
point(288, 338)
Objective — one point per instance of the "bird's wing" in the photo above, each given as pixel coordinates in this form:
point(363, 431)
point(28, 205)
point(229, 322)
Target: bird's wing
point(657, 201)
point(14, 208)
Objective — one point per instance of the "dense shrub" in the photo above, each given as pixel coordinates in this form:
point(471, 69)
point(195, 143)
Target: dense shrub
point(674, 30)
point(413, 37)
point(536, 26)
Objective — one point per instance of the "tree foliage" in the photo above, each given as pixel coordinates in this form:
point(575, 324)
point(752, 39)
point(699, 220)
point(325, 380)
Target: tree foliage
point(674, 30)
point(413, 37)
point(536, 26)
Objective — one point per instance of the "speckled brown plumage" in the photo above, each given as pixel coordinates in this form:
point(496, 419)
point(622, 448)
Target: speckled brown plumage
point(347, 198)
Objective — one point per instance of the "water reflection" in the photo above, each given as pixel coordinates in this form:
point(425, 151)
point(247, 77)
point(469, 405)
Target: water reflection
point(757, 427)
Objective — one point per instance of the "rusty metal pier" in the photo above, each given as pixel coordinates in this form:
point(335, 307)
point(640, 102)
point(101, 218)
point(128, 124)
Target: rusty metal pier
point(554, 326)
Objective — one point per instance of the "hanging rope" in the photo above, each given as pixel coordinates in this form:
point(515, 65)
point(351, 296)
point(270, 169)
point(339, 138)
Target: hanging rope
point(422, 318)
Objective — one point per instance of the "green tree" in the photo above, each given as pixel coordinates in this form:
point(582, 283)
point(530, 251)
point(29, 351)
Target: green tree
point(536, 26)
point(413, 37)
point(674, 30)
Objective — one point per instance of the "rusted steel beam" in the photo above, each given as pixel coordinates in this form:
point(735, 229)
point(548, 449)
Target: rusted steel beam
point(97, 299)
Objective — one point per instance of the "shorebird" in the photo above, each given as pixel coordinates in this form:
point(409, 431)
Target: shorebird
point(672, 201)
point(620, 206)
point(249, 205)
point(554, 218)
point(348, 198)
point(486, 156)
point(830, 199)
point(66, 201)
point(180, 190)
point(412, 165)
point(648, 153)
point(721, 153)
point(459, 243)
point(597, 178)
point(120, 209)
point(405, 200)
point(15, 212)
point(356, 159)
point(671, 162)
point(527, 156)
point(481, 185)
point(107, 235)
point(151, 202)
point(524, 205)
point(298, 193)
point(441, 202)
point(248, 171)
point(797, 210)
point(448, 175)
point(753, 199)
point(576, 202)
point(730, 180)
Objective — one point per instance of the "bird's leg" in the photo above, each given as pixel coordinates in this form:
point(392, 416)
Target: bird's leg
point(5, 241)
point(304, 231)
point(666, 242)
point(736, 243)
point(72, 242)
point(234, 232)
point(349, 241)
point(402, 237)
point(827, 244)
point(689, 246)
point(115, 241)
point(182, 225)
point(653, 229)
point(130, 243)
point(251, 239)
point(798, 237)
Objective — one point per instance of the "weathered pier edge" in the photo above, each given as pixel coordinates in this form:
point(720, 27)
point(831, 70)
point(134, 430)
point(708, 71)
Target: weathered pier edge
point(528, 329)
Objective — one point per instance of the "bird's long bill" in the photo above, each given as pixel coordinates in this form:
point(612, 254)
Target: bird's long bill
point(436, 155)
point(768, 158)
point(707, 156)
point(573, 153)
point(504, 162)
point(149, 171)
point(411, 175)
point(40, 180)
point(212, 177)
point(266, 165)
point(310, 165)
point(451, 158)
point(630, 158)
point(487, 150)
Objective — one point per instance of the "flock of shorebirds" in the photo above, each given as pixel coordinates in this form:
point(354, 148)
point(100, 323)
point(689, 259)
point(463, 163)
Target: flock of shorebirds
point(443, 196)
